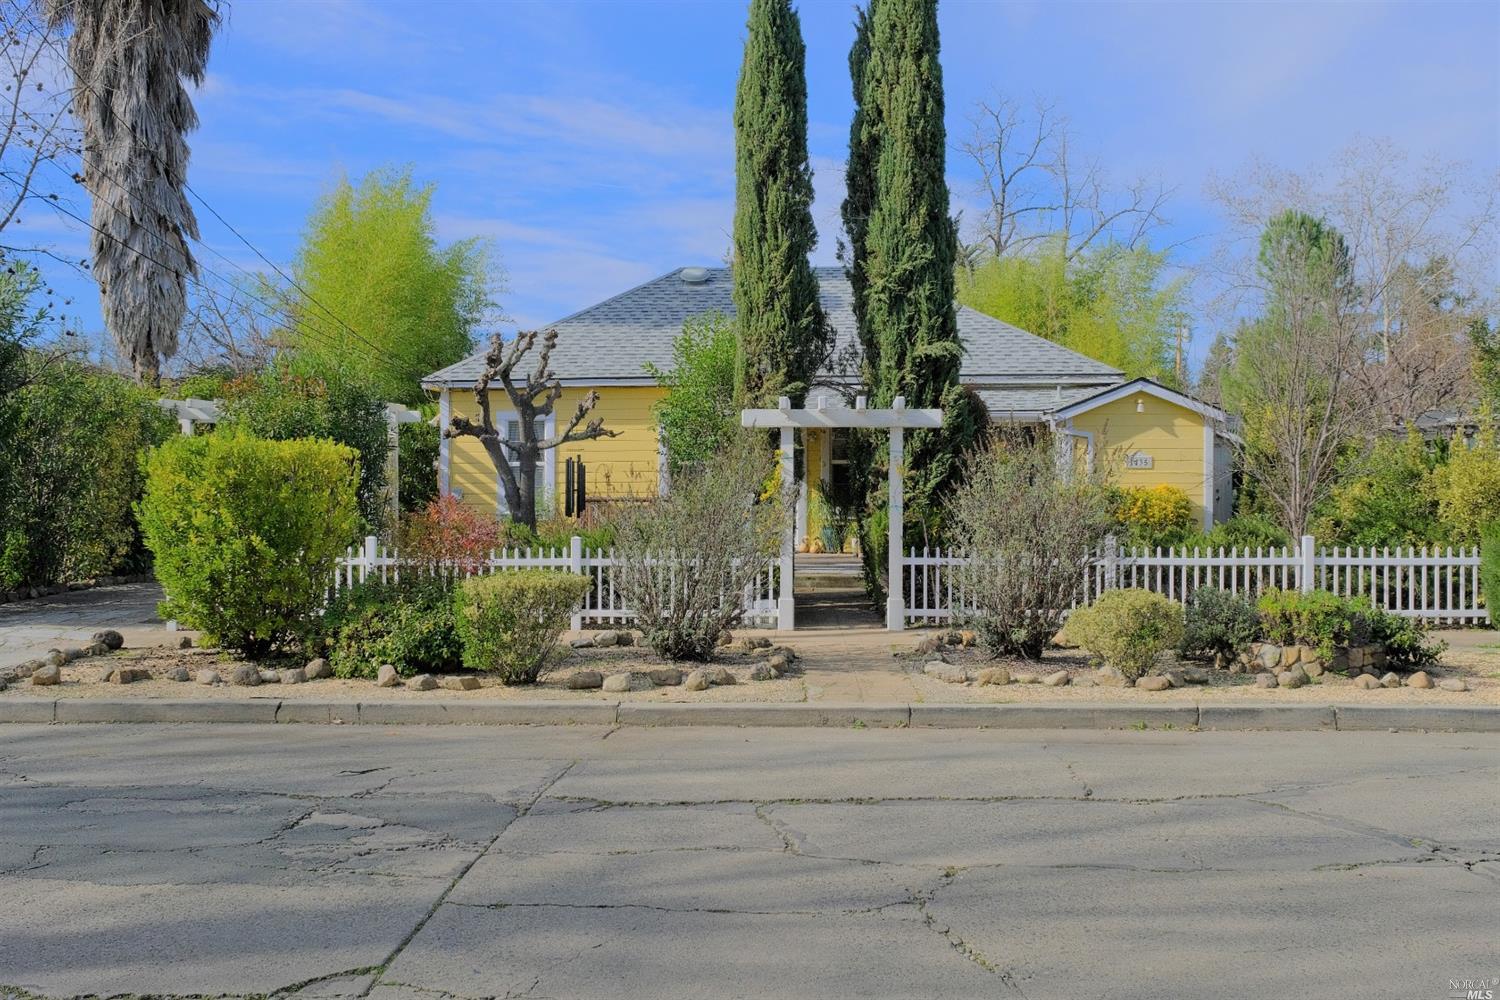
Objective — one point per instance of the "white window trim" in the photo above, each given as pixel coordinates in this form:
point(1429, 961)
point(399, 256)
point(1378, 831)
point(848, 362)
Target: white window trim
point(547, 488)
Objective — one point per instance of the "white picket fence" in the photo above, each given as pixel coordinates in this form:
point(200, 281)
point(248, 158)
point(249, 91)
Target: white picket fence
point(1436, 585)
point(602, 604)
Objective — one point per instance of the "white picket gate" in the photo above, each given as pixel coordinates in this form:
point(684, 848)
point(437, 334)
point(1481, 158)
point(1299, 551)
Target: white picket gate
point(1436, 585)
point(601, 604)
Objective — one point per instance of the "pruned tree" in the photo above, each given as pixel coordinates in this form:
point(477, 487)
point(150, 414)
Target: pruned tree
point(129, 60)
point(1037, 187)
point(231, 332)
point(531, 399)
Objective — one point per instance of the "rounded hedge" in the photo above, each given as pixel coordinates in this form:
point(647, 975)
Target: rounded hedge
point(1128, 629)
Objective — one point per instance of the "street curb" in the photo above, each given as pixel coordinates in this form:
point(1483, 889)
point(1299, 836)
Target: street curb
point(763, 714)
point(1053, 715)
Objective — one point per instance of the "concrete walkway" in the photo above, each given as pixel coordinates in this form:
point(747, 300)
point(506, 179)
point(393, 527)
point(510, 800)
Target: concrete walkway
point(592, 862)
point(29, 628)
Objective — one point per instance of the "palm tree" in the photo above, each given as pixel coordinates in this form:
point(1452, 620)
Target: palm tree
point(129, 60)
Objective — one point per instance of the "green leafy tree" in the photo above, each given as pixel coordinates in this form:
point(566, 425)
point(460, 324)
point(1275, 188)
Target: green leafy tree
point(378, 301)
point(911, 248)
point(784, 336)
point(1387, 498)
point(1111, 303)
point(698, 416)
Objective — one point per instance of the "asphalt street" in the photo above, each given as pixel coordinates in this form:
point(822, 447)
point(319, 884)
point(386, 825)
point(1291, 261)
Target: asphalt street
point(413, 862)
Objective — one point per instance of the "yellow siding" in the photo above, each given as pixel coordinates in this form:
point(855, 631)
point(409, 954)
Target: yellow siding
point(1172, 435)
point(622, 466)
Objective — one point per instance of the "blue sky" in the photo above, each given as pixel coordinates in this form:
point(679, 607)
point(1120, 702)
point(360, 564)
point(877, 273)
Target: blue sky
point(592, 141)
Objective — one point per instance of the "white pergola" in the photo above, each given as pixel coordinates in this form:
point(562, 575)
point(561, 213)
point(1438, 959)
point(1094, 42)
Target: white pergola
point(896, 419)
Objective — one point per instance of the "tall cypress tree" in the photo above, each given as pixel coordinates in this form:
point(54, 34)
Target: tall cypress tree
point(859, 185)
point(783, 335)
point(911, 247)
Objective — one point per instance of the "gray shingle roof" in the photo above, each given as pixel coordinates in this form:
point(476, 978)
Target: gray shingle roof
point(1025, 401)
point(613, 340)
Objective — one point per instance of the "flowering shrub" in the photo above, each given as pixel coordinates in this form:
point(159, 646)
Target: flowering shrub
point(448, 534)
point(1155, 515)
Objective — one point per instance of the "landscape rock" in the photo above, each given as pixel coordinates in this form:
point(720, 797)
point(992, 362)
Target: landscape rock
point(696, 681)
point(584, 680)
point(1152, 682)
point(1056, 680)
point(582, 642)
point(386, 676)
point(779, 664)
point(624, 638)
point(1420, 679)
point(1195, 675)
point(617, 682)
point(1082, 681)
point(762, 672)
point(785, 652)
point(462, 682)
point(294, 675)
point(47, 675)
point(1268, 656)
point(270, 677)
point(945, 672)
point(1110, 677)
point(1175, 678)
point(28, 668)
point(1447, 683)
point(178, 674)
point(246, 675)
point(127, 675)
point(607, 638)
point(96, 649)
point(1293, 678)
point(109, 637)
point(750, 644)
point(317, 669)
point(1391, 680)
point(1265, 680)
point(1025, 679)
point(1340, 661)
point(208, 676)
point(998, 676)
point(1312, 668)
point(422, 682)
point(1368, 682)
point(953, 638)
point(719, 676)
point(186, 642)
point(969, 638)
point(665, 676)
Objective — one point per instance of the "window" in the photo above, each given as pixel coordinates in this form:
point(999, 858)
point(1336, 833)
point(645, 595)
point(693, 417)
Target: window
point(513, 433)
point(838, 461)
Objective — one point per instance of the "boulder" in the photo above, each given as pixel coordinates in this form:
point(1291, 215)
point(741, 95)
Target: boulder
point(1391, 680)
point(762, 672)
point(178, 674)
point(1290, 656)
point(584, 680)
point(696, 681)
point(54, 658)
point(624, 637)
point(1265, 680)
point(1446, 684)
point(1025, 679)
point(953, 638)
point(998, 676)
point(665, 676)
point(96, 649)
point(127, 675)
point(1110, 677)
point(422, 682)
point(969, 638)
point(1339, 663)
point(1293, 678)
point(109, 637)
point(785, 652)
point(1082, 681)
point(617, 683)
point(186, 642)
point(1312, 668)
point(719, 676)
point(1367, 682)
point(1419, 680)
point(1152, 682)
point(582, 642)
point(1056, 680)
point(1195, 675)
point(47, 675)
point(270, 677)
point(778, 664)
point(28, 668)
point(208, 676)
point(317, 670)
point(386, 676)
point(1175, 678)
point(1267, 656)
point(461, 682)
point(246, 675)
point(294, 675)
point(607, 638)
point(945, 672)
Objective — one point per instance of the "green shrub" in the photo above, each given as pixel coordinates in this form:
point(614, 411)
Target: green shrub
point(1407, 641)
point(1468, 488)
point(245, 533)
point(1387, 498)
point(509, 622)
point(1154, 516)
point(1317, 618)
point(1489, 571)
point(1217, 623)
point(409, 625)
point(418, 447)
point(1128, 629)
point(70, 443)
point(1242, 531)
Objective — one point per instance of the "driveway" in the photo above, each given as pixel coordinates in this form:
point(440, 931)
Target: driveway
point(411, 863)
point(30, 628)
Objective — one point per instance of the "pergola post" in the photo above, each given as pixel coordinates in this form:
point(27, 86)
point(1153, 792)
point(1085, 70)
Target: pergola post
point(895, 604)
point(786, 603)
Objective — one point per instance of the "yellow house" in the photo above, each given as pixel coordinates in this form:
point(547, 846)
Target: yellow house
point(1157, 434)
